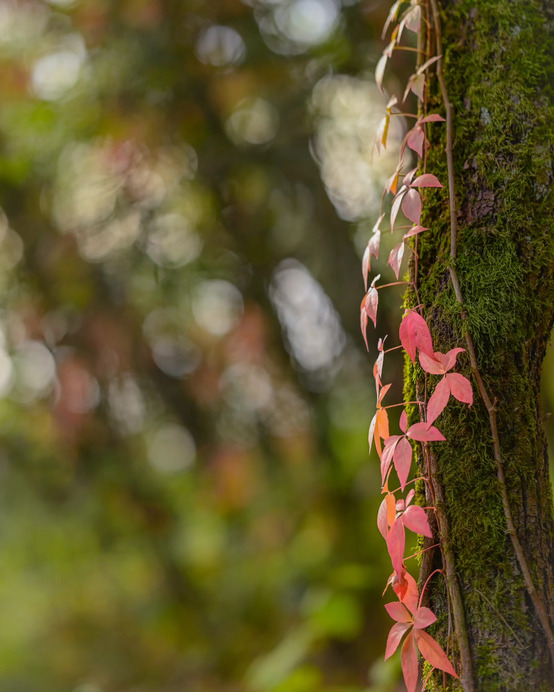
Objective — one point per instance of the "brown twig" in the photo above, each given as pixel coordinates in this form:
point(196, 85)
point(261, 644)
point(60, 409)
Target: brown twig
point(535, 597)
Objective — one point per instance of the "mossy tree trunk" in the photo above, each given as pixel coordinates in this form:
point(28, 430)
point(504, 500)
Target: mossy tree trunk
point(498, 65)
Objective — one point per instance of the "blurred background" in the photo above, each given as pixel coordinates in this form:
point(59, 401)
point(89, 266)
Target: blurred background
point(186, 500)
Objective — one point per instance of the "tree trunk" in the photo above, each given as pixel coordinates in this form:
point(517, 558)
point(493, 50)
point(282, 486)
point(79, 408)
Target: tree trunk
point(498, 65)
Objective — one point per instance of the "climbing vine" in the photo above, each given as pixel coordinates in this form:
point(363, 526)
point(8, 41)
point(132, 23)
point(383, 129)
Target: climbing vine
point(410, 189)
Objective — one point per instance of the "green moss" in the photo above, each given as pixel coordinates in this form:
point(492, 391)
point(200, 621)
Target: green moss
point(499, 68)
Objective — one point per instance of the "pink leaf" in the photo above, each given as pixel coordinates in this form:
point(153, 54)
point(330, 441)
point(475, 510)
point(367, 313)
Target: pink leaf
point(396, 542)
point(393, 14)
point(415, 519)
point(423, 432)
point(423, 618)
point(411, 205)
point(398, 612)
point(438, 400)
point(414, 231)
point(414, 333)
point(428, 63)
point(366, 265)
point(432, 651)
point(416, 84)
point(409, 662)
point(373, 244)
point(378, 370)
point(410, 497)
point(433, 118)
point(403, 423)
point(412, 20)
point(377, 226)
point(409, 177)
point(371, 432)
point(380, 71)
point(426, 180)
point(382, 519)
point(460, 387)
point(395, 258)
point(449, 359)
point(370, 303)
point(363, 326)
point(395, 208)
point(430, 364)
point(403, 460)
point(415, 139)
point(388, 452)
point(395, 636)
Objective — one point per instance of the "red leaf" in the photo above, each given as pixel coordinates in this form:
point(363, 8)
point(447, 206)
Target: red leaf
point(415, 139)
point(370, 303)
point(398, 612)
point(395, 636)
point(423, 432)
point(414, 333)
point(433, 118)
point(395, 208)
point(449, 359)
point(380, 71)
point(430, 364)
point(426, 180)
point(410, 497)
point(395, 258)
point(414, 231)
point(460, 387)
point(396, 542)
point(386, 457)
point(423, 618)
point(403, 460)
point(407, 591)
point(438, 400)
point(415, 519)
point(403, 423)
point(409, 662)
point(432, 651)
point(391, 509)
point(411, 205)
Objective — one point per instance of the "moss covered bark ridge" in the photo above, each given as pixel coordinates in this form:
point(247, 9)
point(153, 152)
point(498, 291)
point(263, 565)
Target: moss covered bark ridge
point(498, 64)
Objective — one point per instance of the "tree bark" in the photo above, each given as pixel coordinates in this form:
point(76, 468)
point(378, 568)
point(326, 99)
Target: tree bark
point(498, 65)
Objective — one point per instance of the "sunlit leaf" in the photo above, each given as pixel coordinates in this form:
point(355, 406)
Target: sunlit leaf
point(460, 387)
point(432, 651)
point(395, 637)
point(437, 402)
point(410, 667)
point(415, 519)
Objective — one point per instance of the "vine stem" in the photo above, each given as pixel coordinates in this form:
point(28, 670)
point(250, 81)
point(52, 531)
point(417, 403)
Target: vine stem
point(491, 406)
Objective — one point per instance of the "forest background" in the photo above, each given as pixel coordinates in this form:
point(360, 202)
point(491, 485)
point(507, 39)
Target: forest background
point(186, 499)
